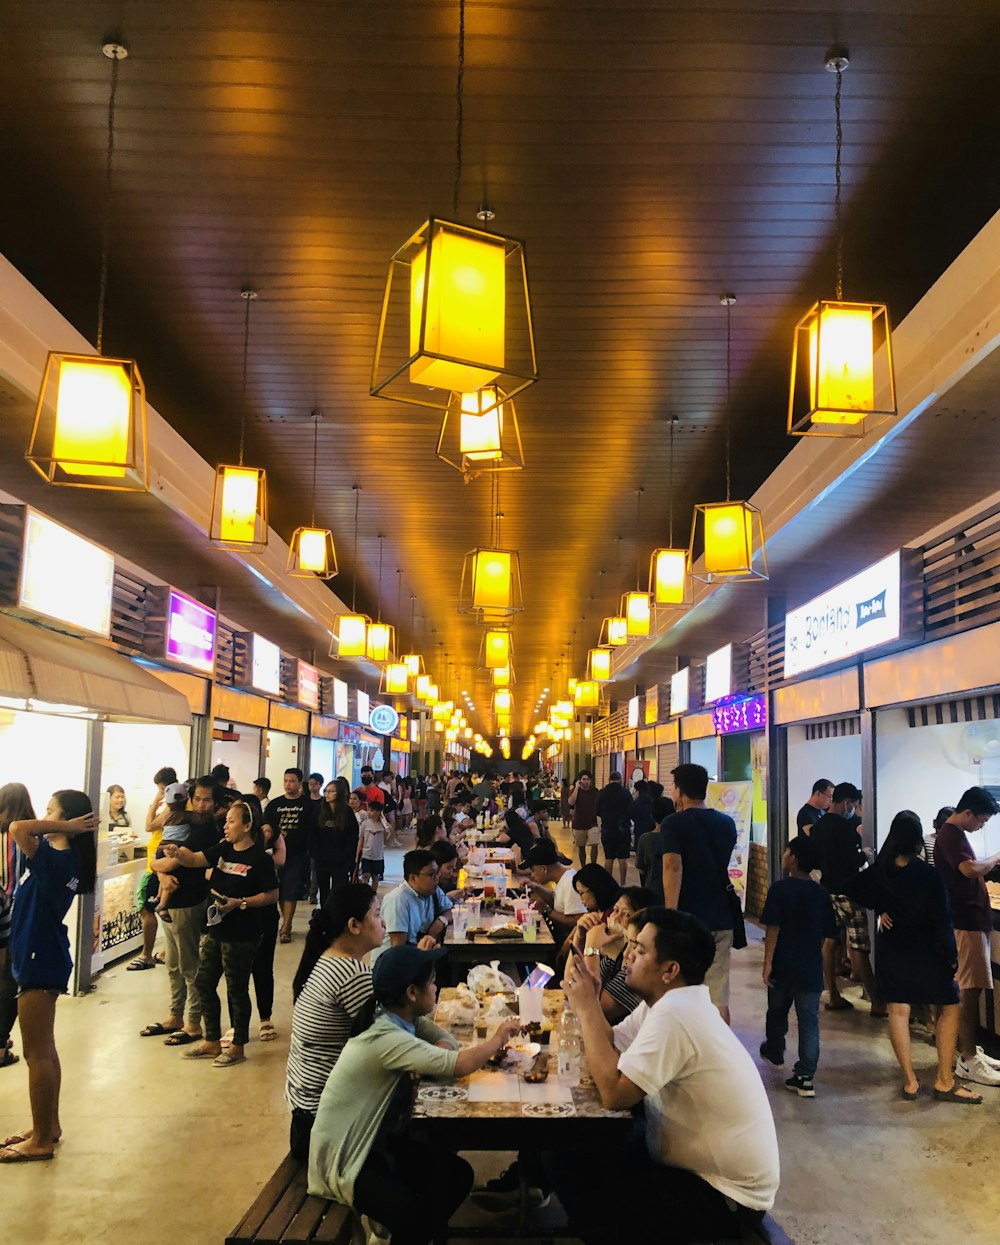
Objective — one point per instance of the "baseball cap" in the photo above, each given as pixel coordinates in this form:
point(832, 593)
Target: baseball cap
point(543, 853)
point(396, 968)
point(175, 791)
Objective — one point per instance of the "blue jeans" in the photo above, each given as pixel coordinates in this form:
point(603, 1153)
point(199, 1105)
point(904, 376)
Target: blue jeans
point(779, 1001)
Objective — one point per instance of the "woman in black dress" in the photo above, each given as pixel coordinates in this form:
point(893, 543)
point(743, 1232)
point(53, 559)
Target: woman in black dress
point(915, 954)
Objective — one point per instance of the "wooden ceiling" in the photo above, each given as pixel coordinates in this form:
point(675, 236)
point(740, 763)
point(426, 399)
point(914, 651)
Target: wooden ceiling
point(650, 153)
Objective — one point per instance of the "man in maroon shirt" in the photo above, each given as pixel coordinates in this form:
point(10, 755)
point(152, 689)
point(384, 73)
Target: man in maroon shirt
point(963, 877)
point(586, 823)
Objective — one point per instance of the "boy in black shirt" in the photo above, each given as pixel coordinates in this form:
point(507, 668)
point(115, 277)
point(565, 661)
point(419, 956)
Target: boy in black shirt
point(799, 919)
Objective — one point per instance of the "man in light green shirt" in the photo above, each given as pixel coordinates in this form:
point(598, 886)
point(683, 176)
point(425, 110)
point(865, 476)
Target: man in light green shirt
point(359, 1153)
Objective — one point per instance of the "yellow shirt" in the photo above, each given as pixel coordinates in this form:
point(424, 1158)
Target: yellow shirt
point(151, 846)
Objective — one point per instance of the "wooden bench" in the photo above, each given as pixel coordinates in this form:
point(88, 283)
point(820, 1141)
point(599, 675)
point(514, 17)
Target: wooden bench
point(284, 1211)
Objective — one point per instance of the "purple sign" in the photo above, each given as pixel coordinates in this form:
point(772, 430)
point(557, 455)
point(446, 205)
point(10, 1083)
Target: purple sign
point(190, 633)
point(746, 714)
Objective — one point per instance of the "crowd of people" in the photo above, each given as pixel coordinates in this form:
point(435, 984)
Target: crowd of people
point(645, 968)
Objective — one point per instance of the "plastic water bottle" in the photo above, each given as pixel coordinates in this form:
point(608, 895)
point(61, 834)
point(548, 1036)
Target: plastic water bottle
point(570, 1048)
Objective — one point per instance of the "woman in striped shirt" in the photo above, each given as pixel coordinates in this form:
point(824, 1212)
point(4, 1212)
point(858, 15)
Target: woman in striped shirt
point(330, 989)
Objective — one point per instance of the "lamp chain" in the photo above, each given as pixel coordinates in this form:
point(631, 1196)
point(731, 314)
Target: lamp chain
point(354, 590)
point(248, 296)
point(837, 199)
point(459, 110)
point(638, 512)
point(315, 457)
point(670, 478)
point(729, 352)
point(118, 54)
point(381, 538)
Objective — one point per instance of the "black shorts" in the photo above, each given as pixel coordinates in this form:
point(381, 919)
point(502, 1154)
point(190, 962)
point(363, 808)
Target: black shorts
point(294, 877)
point(617, 843)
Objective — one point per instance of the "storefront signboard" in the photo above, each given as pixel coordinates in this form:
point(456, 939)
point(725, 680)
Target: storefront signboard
point(340, 698)
point(633, 713)
point(308, 684)
point(266, 666)
point(680, 691)
point(861, 613)
point(191, 627)
point(383, 719)
point(749, 713)
point(719, 674)
point(65, 577)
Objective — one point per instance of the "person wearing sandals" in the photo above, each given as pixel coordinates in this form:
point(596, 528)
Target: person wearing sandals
point(61, 857)
point(242, 884)
point(330, 988)
point(15, 805)
point(915, 952)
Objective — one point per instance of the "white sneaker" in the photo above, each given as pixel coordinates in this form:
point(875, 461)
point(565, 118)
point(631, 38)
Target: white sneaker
point(977, 1070)
point(990, 1062)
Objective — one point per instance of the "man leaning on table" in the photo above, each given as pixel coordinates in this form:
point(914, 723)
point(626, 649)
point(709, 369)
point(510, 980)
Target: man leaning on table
point(707, 1167)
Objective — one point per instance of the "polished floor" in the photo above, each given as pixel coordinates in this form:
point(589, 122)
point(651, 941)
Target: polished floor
point(159, 1148)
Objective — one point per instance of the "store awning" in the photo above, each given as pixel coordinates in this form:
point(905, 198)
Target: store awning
point(47, 666)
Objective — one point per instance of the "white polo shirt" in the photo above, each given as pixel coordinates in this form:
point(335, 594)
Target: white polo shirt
point(706, 1108)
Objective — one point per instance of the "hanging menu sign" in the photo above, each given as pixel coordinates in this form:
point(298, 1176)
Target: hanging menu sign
point(190, 633)
point(64, 577)
point(308, 686)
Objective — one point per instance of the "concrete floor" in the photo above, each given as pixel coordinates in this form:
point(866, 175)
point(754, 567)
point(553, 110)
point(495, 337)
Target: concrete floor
point(157, 1147)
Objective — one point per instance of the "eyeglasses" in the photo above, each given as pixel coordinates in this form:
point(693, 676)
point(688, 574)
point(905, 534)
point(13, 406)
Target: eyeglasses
point(424, 874)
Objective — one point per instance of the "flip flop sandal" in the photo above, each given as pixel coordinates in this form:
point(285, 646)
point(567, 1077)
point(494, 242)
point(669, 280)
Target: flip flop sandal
point(156, 1030)
point(200, 1054)
point(8, 1155)
point(909, 1095)
point(284, 937)
point(952, 1095)
point(140, 966)
point(9, 1058)
point(15, 1139)
point(227, 1059)
point(180, 1038)
point(268, 1033)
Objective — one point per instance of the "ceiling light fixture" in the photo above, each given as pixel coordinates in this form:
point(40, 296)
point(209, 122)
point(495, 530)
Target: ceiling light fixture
point(239, 501)
point(89, 429)
point(842, 373)
point(733, 531)
point(312, 550)
point(380, 642)
point(491, 577)
point(669, 581)
point(350, 638)
point(479, 433)
point(635, 606)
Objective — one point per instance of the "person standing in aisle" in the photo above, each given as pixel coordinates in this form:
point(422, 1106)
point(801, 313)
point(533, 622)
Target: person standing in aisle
point(798, 920)
point(292, 815)
point(334, 841)
point(614, 812)
point(814, 808)
point(15, 805)
point(586, 829)
point(697, 845)
point(155, 815)
point(61, 857)
point(964, 879)
point(243, 883)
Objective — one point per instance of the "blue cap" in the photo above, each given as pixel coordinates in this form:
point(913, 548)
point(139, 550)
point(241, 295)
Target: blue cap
point(397, 968)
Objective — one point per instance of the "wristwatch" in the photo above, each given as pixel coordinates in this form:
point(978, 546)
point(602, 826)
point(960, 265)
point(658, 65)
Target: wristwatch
point(243, 905)
point(591, 951)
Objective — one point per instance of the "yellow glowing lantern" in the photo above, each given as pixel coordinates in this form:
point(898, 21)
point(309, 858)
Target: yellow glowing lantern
point(496, 647)
point(564, 708)
point(501, 676)
point(239, 509)
point(636, 609)
point(414, 664)
point(439, 727)
point(614, 631)
point(423, 687)
point(733, 541)
point(479, 433)
point(352, 632)
point(587, 694)
point(394, 679)
point(842, 371)
point(380, 641)
point(90, 424)
point(432, 691)
point(600, 664)
point(491, 584)
point(312, 553)
point(503, 700)
point(668, 577)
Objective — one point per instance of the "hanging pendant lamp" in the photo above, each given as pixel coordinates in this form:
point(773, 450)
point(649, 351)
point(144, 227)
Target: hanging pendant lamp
point(599, 664)
point(239, 501)
point(497, 647)
point(456, 313)
point(350, 638)
point(89, 429)
point(842, 380)
point(732, 532)
point(491, 578)
point(669, 579)
point(614, 631)
point(479, 434)
point(636, 607)
point(380, 642)
point(312, 551)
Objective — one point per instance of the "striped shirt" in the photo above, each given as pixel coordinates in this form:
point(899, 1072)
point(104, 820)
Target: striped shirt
point(337, 989)
point(613, 981)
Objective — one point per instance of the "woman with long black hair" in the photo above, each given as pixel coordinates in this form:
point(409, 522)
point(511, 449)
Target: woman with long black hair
point(15, 805)
point(330, 988)
point(61, 857)
point(334, 838)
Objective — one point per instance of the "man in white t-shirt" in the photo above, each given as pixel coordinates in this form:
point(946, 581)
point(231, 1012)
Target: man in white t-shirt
point(562, 906)
point(707, 1167)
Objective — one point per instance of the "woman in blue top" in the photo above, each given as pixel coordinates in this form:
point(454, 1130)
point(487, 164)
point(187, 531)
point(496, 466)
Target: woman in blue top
point(61, 857)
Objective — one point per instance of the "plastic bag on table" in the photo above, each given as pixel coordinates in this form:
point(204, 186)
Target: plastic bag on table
point(488, 979)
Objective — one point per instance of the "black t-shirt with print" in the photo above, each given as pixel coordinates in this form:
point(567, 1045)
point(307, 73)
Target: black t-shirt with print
point(293, 819)
point(192, 885)
point(238, 875)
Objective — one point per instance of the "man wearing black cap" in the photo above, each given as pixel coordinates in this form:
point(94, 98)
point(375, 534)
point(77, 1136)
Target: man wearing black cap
point(562, 906)
point(842, 857)
point(358, 1155)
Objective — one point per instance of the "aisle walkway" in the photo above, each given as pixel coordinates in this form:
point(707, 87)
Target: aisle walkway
point(158, 1148)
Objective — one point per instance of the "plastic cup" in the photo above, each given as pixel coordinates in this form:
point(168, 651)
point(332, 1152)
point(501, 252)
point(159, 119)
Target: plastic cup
point(474, 907)
point(530, 927)
point(521, 909)
point(460, 922)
